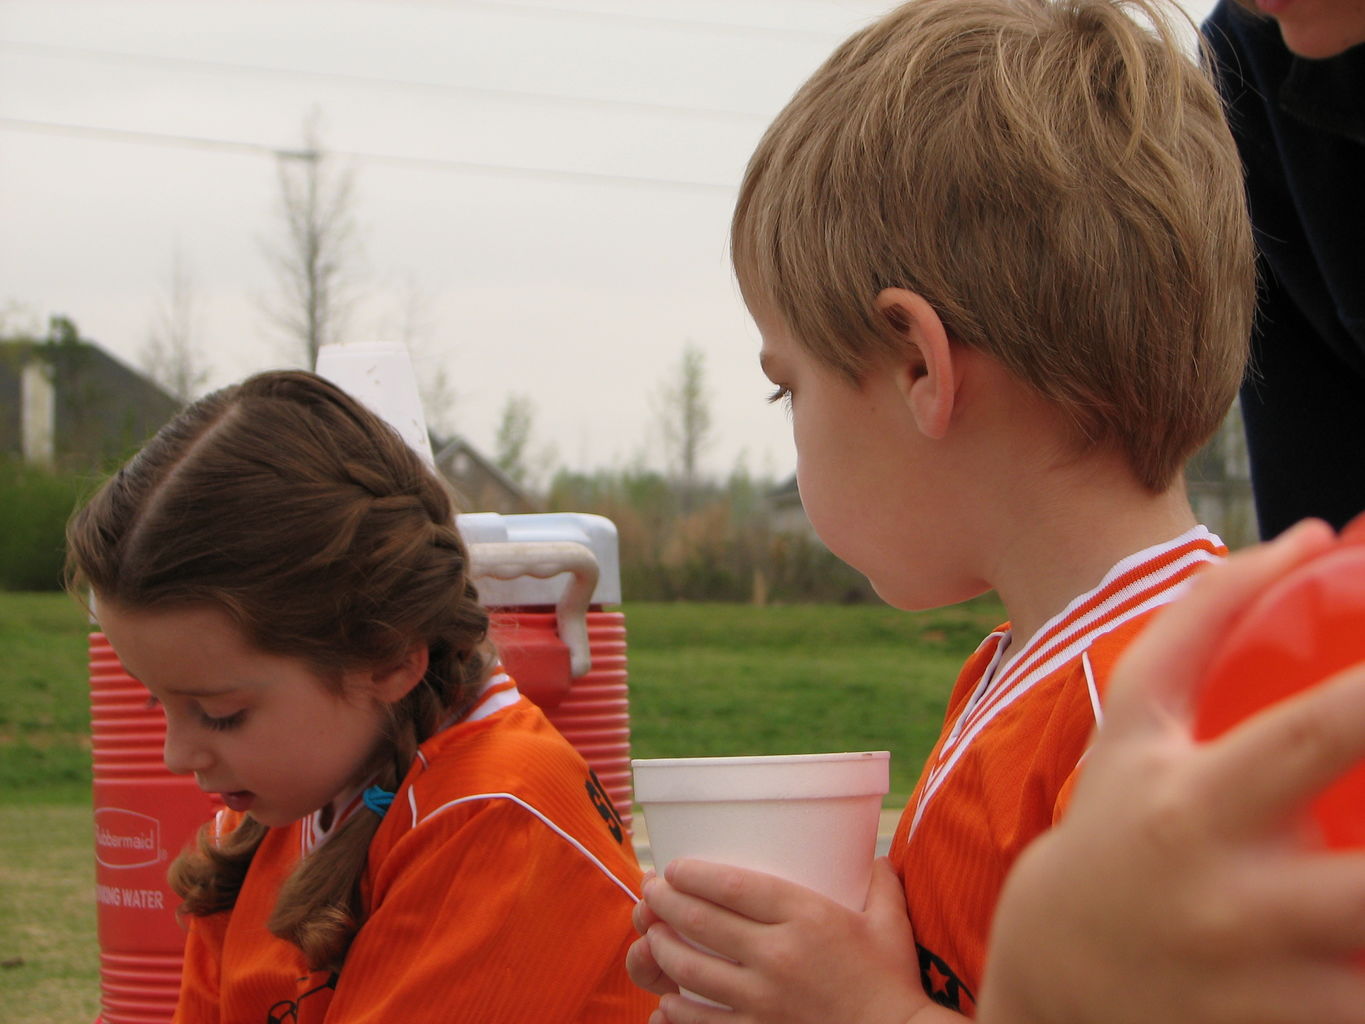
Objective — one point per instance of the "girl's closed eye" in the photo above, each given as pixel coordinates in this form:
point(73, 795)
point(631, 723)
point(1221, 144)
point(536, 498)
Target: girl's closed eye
point(216, 722)
point(221, 723)
point(781, 393)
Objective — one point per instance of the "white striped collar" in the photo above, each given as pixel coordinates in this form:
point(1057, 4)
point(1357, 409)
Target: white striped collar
point(1118, 598)
point(498, 692)
point(1089, 615)
point(312, 834)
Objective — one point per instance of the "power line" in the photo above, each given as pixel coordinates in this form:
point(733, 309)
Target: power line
point(430, 163)
point(65, 52)
point(129, 135)
point(630, 17)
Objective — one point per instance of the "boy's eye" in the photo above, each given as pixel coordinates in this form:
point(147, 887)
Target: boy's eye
point(152, 703)
point(781, 393)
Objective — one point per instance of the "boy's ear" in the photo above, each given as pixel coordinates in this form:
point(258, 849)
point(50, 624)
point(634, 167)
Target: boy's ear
point(393, 683)
point(924, 371)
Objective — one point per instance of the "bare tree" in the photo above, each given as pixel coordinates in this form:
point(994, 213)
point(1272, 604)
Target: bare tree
point(411, 323)
point(514, 437)
point(526, 463)
point(685, 416)
point(319, 249)
point(171, 355)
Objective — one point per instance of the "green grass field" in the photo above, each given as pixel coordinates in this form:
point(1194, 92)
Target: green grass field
point(733, 679)
point(705, 679)
point(44, 700)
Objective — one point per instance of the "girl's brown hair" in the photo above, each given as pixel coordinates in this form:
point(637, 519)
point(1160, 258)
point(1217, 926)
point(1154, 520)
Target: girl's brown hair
point(1055, 177)
point(291, 507)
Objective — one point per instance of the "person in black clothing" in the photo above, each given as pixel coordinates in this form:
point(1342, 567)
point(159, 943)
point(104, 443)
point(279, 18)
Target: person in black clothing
point(1295, 89)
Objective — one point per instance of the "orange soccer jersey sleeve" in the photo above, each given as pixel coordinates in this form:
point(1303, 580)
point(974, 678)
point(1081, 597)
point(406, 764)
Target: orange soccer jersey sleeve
point(503, 945)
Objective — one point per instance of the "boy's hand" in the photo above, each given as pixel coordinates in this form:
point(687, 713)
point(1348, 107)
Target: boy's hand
point(793, 955)
point(1178, 888)
point(640, 963)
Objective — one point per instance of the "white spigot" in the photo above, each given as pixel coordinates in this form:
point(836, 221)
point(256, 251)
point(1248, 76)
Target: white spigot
point(543, 560)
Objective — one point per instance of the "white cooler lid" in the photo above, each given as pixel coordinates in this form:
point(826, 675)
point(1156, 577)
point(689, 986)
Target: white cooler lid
point(597, 533)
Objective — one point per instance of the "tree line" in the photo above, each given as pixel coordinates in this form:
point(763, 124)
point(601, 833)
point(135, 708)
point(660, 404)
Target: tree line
point(714, 541)
point(683, 535)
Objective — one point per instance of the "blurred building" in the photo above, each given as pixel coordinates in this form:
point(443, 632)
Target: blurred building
point(1219, 482)
point(479, 485)
point(68, 404)
point(786, 512)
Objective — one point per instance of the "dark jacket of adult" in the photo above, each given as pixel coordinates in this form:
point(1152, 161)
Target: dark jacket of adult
point(1300, 126)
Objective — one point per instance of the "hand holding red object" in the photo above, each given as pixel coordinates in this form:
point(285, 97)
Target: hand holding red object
point(1305, 628)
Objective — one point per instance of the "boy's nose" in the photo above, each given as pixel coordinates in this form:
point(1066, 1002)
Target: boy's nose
point(182, 754)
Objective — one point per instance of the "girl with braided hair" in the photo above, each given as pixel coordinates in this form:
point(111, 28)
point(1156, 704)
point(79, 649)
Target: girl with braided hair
point(405, 837)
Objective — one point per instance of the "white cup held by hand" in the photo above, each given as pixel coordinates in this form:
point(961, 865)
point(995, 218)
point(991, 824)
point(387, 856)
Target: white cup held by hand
point(809, 818)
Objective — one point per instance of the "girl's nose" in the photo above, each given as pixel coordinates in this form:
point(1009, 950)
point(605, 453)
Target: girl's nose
point(182, 753)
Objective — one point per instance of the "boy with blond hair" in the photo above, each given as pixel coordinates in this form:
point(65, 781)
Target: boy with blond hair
point(998, 255)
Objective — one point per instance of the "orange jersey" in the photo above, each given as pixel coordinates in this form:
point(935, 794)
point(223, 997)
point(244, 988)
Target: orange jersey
point(1004, 764)
point(499, 886)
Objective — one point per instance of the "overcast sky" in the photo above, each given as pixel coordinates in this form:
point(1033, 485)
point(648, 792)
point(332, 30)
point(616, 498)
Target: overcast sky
point(542, 189)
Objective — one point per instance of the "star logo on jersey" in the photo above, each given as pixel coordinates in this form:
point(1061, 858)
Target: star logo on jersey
point(943, 986)
point(937, 982)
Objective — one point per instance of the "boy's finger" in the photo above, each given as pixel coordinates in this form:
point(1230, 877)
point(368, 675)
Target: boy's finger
point(1155, 676)
point(644, 971)
point(643, 915)
point(1277, 760)
point(681, 1010)
point(691, 968)
point(700, 920)
point(885, 895)
point(750, 894)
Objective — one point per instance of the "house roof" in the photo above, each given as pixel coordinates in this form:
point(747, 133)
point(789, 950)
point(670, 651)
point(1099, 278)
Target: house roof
point(457, 447)
point(103, 408)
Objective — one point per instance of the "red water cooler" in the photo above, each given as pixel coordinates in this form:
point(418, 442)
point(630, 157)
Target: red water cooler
point(547, 579)
point(144, 817)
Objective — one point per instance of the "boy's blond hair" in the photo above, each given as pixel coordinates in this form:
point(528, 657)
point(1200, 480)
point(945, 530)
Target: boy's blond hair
point(1055, 178)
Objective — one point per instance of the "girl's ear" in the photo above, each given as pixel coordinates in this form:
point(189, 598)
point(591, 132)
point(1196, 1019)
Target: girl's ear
point(924, 370)
point(393, 683)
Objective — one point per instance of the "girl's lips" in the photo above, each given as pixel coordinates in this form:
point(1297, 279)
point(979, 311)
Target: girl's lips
point(240, 800)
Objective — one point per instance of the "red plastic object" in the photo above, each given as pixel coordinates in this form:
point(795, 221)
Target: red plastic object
point(531, 650)
point(144, 816)
point(1305, 628)
point(591, 711)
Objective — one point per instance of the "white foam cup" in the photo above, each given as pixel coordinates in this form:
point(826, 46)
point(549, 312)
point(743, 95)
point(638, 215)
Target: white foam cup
point(809, 818)
point(380, 374)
